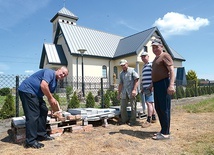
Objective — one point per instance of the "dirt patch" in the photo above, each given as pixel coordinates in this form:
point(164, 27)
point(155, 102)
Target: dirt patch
point(123, 139)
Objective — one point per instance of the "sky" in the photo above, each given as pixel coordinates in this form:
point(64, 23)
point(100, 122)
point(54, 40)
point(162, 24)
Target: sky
point(186, 25)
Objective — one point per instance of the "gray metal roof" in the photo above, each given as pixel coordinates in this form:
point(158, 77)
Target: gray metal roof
point(55, 54)
point(176, 55)
point(132, 43)
point(66, 13)
point(97, 43)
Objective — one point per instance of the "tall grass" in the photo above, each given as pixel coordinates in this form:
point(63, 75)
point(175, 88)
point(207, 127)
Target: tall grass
point(200, 107)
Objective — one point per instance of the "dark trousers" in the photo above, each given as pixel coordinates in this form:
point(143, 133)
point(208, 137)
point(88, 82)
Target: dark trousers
point(163, 104)
point(35, 111)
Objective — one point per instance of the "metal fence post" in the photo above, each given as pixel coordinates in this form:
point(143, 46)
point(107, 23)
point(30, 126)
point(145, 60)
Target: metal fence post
point(195, 88)
point(209, 89)
point(17, 96)
point(102, 100)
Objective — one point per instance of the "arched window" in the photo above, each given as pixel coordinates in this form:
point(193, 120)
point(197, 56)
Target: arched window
point(104, 70)
point(115, 72)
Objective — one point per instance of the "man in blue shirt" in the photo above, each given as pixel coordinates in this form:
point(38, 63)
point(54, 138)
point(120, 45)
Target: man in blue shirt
point(31, 92)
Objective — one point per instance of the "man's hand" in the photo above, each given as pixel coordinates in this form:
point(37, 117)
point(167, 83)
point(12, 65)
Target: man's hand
point(54, 104)
point(171, 90)
point(134, 93)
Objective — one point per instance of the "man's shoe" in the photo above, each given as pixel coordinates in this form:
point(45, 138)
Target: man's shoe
point(130, 124)
point(145, 124)
point(153, 121)
point(36, 145)
point(46, 138)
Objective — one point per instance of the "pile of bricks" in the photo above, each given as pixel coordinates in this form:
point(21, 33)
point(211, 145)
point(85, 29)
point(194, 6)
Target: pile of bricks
point(56, 125)
point(64, 121)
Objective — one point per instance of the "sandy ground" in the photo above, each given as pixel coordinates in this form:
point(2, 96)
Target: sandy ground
point(123, 139)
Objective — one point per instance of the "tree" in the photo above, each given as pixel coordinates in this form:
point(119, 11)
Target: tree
point(68, 93)
point(106, 101)
point(4, 91)
point(90, 101)
point(56, 96)
point(8, 109)
point(74, 102)
point(192, 79)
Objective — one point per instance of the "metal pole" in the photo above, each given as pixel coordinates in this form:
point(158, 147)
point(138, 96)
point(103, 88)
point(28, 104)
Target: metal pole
point(17, 96)
point(102, 99)
point(83, 84)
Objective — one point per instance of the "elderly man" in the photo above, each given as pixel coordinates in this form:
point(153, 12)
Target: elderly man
point(163, 82)
point(127, 89)
point(31, 92)
point(147, 91)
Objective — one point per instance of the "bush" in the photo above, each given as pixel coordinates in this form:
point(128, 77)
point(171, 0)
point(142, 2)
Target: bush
point(115, 101)
point(180, 92)
point(90, 101)
point(68, 93)
point(188, 92)
point(8, 109)
point(74, 102)
point(4, 91)
point(106, 101)
point(56, 96)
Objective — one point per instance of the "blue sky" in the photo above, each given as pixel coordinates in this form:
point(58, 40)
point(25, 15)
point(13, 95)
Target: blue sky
point(186, 25)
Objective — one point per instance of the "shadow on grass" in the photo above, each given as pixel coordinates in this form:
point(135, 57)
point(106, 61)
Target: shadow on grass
point(138, 134)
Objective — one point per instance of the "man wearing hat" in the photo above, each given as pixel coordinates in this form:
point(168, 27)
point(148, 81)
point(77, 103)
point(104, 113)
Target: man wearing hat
point(163, 83)
point(127, 91)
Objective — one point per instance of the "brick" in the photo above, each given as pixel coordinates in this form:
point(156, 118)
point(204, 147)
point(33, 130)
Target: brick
point(78, 117)
point(79, 122)
point(76, 129)
point(52, 120)
point(71, 117)
point(61, 119)
point(56, 130)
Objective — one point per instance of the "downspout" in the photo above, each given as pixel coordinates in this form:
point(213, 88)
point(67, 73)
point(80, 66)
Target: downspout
point(138, 71)
point(77, 70)
point(109, 73)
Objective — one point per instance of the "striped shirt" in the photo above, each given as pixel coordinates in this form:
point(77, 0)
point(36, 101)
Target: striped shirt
point(146, 75)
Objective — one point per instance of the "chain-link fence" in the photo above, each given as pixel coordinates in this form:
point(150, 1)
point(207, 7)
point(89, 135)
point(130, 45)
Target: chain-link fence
point(95, 85)
point(98, 85)
point(193, 88)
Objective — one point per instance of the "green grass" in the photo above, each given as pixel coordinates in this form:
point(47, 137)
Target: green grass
point(200, 107)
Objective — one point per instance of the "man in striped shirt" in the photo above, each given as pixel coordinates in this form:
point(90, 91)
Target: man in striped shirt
point(146, 90)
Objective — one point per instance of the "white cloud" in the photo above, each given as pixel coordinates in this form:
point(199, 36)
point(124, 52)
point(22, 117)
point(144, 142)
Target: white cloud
point(123, 23)
point(29, 71)
point(174, 23)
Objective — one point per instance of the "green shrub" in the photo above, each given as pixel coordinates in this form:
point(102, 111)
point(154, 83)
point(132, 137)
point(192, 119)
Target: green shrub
point(8, 109)
point(4, 91)
point(106, 101)
point(180, 92)
point(74, 102)
point(138, 99)
point(90, 101)
point(115, 101)
point(56, 96)
point(69, 91)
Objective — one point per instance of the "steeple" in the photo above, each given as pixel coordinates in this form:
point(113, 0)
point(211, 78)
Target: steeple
point(63, 15)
